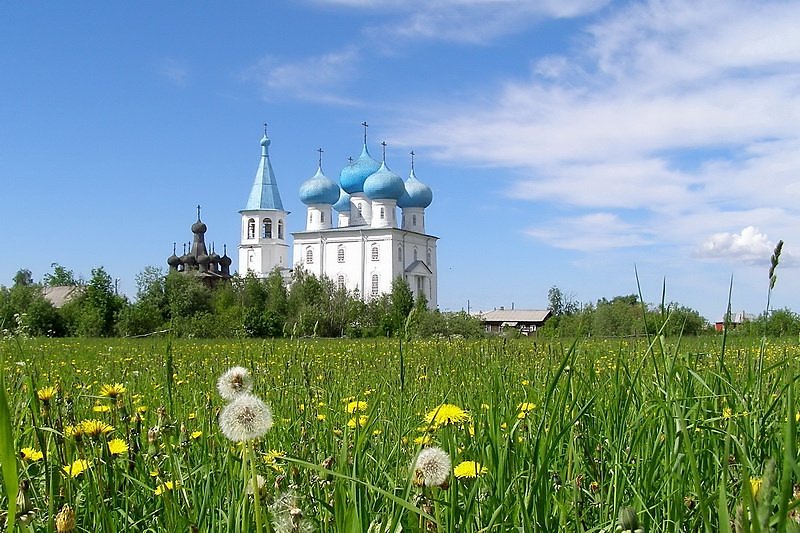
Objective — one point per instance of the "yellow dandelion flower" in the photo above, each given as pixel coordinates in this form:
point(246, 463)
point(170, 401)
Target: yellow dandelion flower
point(321, 417)
point(166, 487)
point(469, 469)
point(360, 421)
point(112, 390)
point(101, 408)
point(524, 409)
point(355, 406)
point(31, 454)
point(196, 434)
point(446, 414)
point(192, 416)
point(77, 467)
point(525, 382)
point(94, 428)
point(727, 413)
point(755, 486)
point(141, 409)
point(117, 446)
point(422, 439)
point(46, 394)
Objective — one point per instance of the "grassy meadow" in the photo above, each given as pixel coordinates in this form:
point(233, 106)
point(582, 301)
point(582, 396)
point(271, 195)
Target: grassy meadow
point(656, 434)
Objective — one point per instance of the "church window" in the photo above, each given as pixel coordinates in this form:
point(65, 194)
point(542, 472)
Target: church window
point(383, 213)
point(267, 232)
point(280, 229)
point(374, 284)
point(309, 255)
point(340, 255)
point(322, 217)
point(415, 253)
point(414, 220)
point(340, 282)
point(400, 253)
point(251, 229)
point(359, 209)
point(428, 257)
point(310, 217)
point(375, 256)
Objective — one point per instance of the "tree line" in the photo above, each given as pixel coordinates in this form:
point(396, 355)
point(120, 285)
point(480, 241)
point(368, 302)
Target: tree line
point(247, 306)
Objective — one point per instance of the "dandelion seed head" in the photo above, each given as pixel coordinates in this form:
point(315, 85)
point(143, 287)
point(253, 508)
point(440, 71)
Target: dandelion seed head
point(235, 381)
point(432, 467)
point(245, 418)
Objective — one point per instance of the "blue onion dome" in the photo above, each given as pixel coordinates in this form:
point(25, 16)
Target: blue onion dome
point(343, 204)
point(353, 176)
point(417, 194)
point(319, 189)
point(384, 185)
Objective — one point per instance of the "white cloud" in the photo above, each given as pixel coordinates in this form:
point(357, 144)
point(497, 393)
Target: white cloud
point(592, 232)
point(175, 71)
point(682, 111)
point(318, 78)
point(748, 246)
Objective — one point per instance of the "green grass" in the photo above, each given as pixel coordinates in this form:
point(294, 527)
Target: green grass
point(673, 429)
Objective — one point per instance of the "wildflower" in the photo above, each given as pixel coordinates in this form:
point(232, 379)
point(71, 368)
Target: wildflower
point(359, 421)
point(117, 446)
point(727, 413)
point(77, 467)
point(524, 408)
point(260, 481)
point(469, 469)
point(234, 382)
point(196, 434)
point(321, 417)
point(354, 406)
point(287, 516)
point(46, 394)
point(446, 414)
point(755, 486)
point(432, 467)
point(245, 418)
point(166, 487)
point(101, 408)
point(95, 428)
point(65, 520)
point(112, 390)
point(31, 454)
point(422, 439)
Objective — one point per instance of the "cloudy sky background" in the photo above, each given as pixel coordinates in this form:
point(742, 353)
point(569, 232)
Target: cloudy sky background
point(567, 143)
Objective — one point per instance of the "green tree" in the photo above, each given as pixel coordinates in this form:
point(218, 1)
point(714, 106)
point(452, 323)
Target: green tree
point(61, 276)
point(402, 302)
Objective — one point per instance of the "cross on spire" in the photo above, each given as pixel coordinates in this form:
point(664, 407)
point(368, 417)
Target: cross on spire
point(412, 160)
point(384, 151)
point(198, 211)
point(365, 130)
point(320, 150)
point(265, 129)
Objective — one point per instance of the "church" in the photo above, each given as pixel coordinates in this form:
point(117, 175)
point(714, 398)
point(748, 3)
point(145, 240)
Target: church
point(352, 232)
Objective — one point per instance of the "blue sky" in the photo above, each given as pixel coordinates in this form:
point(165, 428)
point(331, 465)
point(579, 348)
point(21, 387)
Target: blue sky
point(567, 142)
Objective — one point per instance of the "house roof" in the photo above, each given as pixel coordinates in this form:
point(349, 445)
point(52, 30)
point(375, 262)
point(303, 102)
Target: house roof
point(61, 294)
point(515, 316)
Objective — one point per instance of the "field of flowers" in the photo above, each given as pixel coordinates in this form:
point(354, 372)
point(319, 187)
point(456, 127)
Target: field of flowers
point(383, 436)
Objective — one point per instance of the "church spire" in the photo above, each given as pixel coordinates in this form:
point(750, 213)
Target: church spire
point(264, 194)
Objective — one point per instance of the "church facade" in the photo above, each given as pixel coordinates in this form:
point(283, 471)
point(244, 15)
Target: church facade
point(352, 234)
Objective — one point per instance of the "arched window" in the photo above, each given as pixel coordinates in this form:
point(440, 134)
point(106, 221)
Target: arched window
point(340, 255)
point(322, 216)
point(374, 284)
point(383, 213)
point(310, 217)
point(267, 229)
point(428, 257)
point(415, 253)
point(358, 206)
point(251, 229)
point(340, 282)
point(309, 255)
point(374, 253)
point(413, 220)
point(400, 253)
point(280, 229)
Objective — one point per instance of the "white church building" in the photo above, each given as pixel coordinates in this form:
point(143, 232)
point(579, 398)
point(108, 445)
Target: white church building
point(352, 232)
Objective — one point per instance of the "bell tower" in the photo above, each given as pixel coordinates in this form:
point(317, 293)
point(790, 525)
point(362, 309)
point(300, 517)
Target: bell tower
point(262, 244)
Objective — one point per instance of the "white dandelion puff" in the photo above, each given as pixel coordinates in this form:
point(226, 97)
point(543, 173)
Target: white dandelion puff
point(245, 418)
point(234, 382)
point(432, 467)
